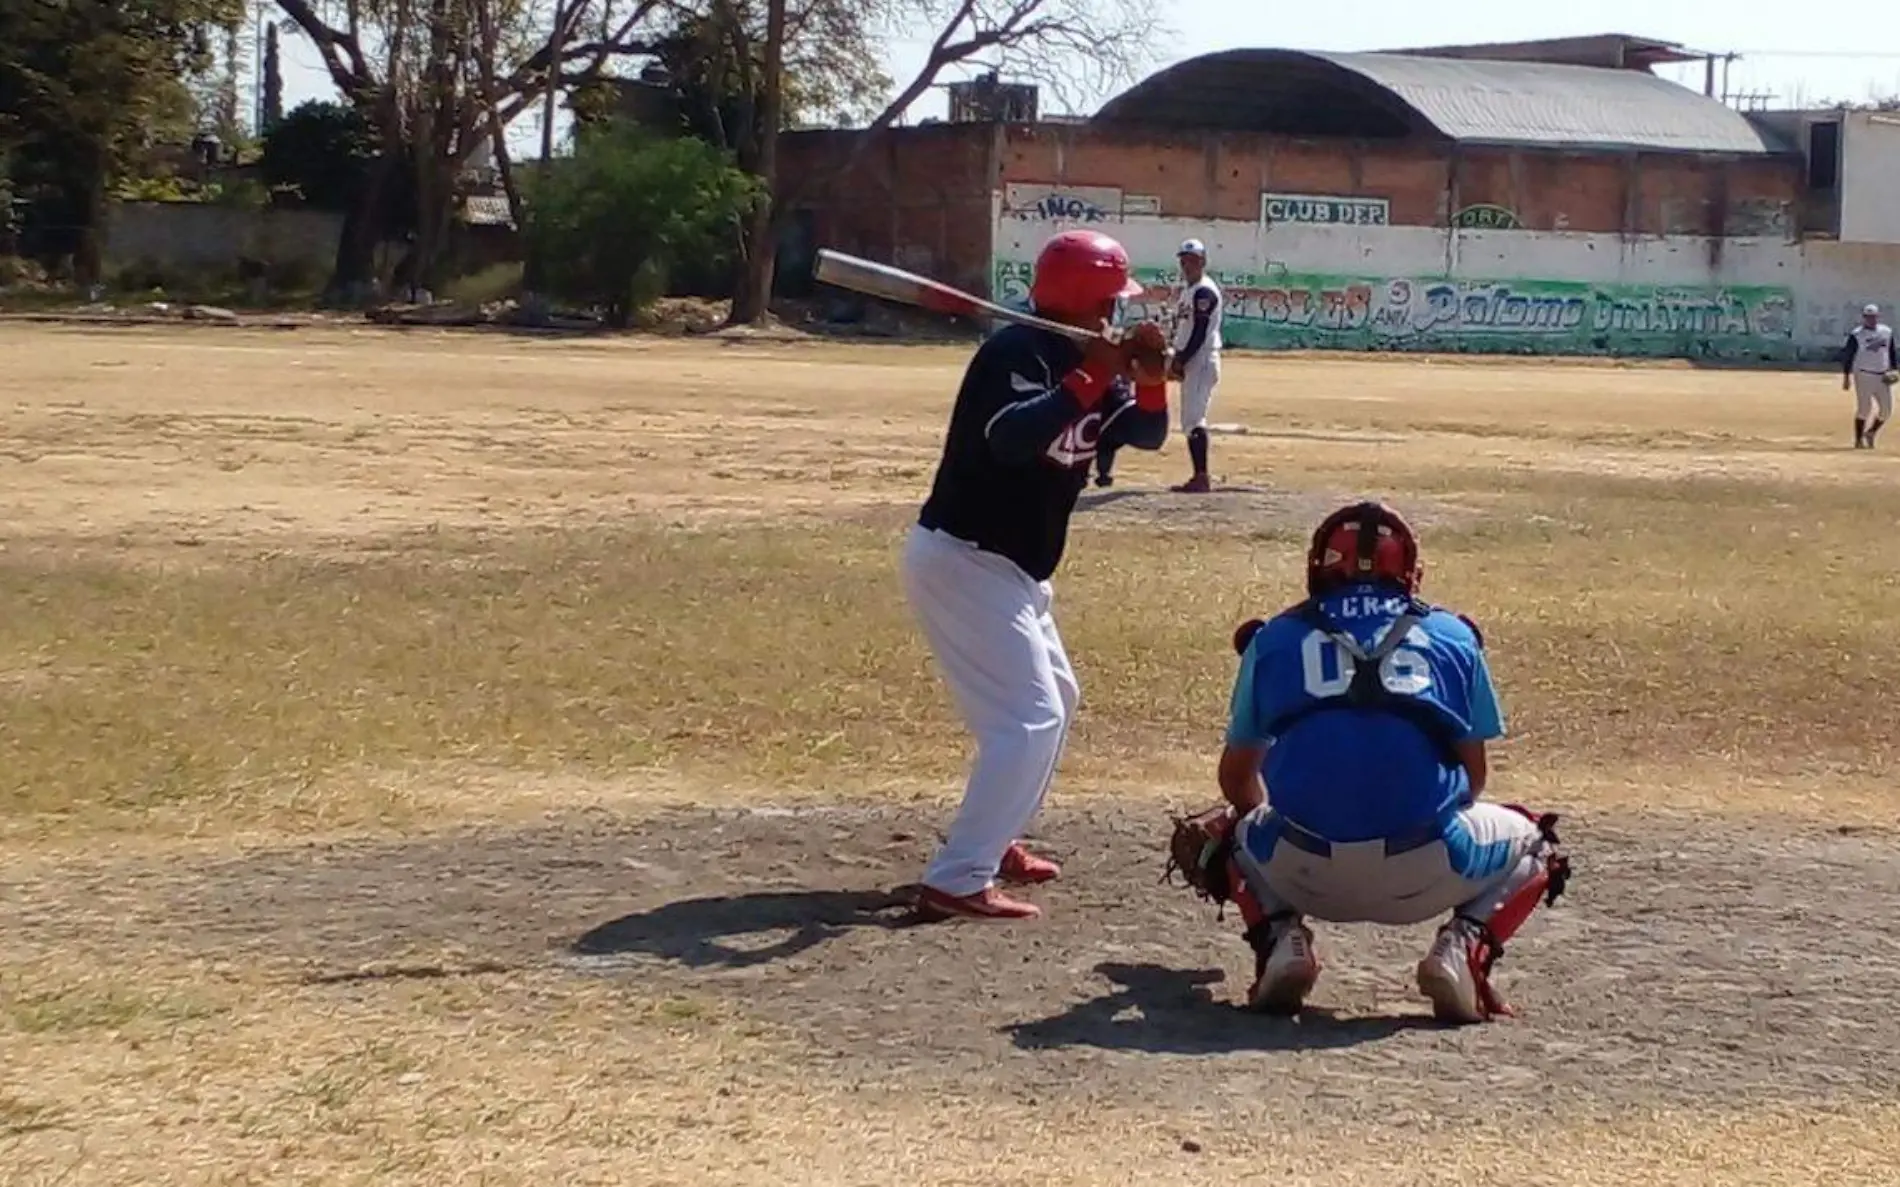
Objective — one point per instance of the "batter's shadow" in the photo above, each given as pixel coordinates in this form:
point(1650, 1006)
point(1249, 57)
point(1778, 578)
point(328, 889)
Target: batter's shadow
point(701, 933)
point(1164, 1011)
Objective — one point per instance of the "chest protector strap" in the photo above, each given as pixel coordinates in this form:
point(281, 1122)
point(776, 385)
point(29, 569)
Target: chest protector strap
point(1367, 688)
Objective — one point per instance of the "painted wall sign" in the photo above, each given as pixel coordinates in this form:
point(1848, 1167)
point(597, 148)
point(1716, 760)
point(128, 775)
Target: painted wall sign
point(1321, 208)
point(1040, 202)
point(1484, 216)
point(1532, 316)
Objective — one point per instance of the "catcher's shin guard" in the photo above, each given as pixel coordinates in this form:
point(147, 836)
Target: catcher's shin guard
point(1240, 891)
point(1545, 879)
point(1549, 881)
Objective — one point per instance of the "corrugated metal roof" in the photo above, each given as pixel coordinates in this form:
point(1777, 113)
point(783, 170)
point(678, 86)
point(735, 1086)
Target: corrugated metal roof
point(1469, 100)
point(1543, 103)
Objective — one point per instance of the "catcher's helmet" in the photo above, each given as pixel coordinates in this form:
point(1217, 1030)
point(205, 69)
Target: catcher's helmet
point(1080, 273)
point(1365, 542)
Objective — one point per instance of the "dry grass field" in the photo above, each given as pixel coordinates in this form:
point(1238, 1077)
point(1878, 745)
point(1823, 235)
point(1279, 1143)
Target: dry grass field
point(452, 759)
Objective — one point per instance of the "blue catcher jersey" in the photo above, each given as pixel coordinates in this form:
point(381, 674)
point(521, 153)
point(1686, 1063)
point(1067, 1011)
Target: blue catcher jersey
point(1364, 773)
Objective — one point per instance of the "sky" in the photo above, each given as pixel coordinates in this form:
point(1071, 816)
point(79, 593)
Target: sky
point(1798, 62)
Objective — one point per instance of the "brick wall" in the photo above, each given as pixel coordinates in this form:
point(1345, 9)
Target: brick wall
point(921, 197)
point(1222, 176)
point(915, 197)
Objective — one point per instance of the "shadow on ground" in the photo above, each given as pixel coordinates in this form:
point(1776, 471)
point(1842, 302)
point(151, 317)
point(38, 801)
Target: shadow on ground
point(693, 931)
point(1163, 1010)
point(1691, 959)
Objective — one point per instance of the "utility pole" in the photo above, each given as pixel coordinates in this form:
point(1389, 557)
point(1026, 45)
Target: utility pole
point(554, 87)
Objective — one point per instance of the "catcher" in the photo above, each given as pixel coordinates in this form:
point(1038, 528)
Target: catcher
point(1354, 761)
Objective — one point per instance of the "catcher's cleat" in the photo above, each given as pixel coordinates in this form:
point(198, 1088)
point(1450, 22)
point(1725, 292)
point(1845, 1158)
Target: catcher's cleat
point(1455, 975)
point(1021, 866)
point(989, 903)
point(1200, 484)
point(1288, 971)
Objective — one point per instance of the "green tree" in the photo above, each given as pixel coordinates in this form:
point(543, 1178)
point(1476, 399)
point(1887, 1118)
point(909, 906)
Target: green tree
point(87, 89)
point(612, 221)
point(323, 151)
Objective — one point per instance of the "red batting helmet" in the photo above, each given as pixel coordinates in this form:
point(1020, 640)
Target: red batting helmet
point(1366, 542)
point(1080, 272)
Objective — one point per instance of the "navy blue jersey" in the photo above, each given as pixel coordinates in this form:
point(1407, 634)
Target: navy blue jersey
point(1019, 447)
point(1354, 774)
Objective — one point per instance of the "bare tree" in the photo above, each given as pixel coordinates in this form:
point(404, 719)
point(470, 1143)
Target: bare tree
point(437, 78)
point(1076, 48)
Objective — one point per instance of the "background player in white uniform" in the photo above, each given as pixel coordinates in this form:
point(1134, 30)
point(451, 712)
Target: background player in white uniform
point(1197, 344)
point(1869, 356)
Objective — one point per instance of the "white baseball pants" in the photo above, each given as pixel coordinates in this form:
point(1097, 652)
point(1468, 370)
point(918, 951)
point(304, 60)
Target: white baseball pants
point(1869, 393)
point(1473, 867)
point(991, 628)
point(1198, 382)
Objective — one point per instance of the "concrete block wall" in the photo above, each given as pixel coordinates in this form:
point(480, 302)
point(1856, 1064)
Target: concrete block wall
point(200, 235)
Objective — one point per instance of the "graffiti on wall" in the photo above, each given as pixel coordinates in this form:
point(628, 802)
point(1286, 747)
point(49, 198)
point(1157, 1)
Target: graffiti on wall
point(1485, 216)
point(1036, 202)
point(1290, 311)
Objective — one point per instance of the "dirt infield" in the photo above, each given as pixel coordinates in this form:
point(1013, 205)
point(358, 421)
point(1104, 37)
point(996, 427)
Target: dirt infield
point(1686, 955)
point(433, 758)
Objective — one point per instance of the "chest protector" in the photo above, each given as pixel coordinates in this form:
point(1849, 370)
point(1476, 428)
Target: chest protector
point(1367, 688)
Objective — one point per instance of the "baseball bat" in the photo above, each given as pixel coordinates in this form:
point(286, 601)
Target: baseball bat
point(908, 288)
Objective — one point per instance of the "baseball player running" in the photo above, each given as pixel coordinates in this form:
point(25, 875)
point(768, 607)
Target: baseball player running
point(1354, 761)
point(1034, 408)
point(1870, 366)
point(1197, 347)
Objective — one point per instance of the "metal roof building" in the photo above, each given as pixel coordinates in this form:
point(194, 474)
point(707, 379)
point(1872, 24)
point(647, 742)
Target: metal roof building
point(1421, 95)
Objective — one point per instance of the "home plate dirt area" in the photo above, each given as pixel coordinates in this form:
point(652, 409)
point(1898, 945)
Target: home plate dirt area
point(461, 758)
point(1688, 955)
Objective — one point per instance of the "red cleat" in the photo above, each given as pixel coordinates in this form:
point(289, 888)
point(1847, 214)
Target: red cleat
point(1200, 484)
point(988, 903)
point(1020, 865)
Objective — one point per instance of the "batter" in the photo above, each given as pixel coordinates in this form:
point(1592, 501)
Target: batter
point(1034, 408)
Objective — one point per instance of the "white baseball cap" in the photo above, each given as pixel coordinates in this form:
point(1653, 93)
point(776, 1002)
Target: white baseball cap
point(1193, 247)
point(1871, 311)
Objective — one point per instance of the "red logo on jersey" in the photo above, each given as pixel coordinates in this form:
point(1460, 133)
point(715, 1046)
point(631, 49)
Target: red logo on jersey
point(1078, 444)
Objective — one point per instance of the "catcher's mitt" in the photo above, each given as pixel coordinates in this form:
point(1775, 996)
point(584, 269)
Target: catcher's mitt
point(1198, 851)
point(1890, 378)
